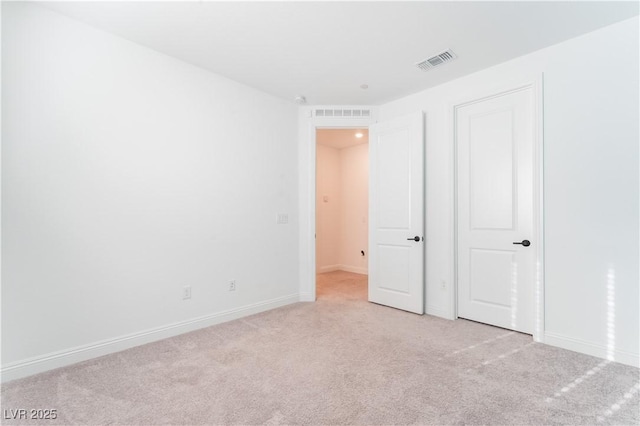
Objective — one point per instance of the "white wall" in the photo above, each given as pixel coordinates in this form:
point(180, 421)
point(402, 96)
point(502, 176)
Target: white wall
point(354, 166)
point(590, 186)
point(126, 175)
point(341, 221)
point(328, 213)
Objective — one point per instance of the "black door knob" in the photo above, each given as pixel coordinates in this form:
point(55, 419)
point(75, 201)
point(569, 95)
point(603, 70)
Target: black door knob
point(525, 243)
point(416, 238)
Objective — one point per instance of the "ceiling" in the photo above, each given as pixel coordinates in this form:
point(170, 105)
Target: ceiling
point(327, 50)
point(341, 138)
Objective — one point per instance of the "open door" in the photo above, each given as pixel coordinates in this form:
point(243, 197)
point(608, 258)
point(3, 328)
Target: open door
point(396, 213)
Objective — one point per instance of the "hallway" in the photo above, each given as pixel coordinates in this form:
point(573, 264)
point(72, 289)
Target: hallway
point(341, 285)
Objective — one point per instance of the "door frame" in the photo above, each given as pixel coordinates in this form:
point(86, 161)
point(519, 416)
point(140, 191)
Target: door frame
point(308, 188)
point(536, 84)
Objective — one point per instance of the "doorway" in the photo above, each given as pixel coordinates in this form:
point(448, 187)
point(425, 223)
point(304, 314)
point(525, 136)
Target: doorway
point(342, 208)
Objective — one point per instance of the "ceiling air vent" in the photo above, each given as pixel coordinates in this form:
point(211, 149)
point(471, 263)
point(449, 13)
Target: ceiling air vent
point(434, 61)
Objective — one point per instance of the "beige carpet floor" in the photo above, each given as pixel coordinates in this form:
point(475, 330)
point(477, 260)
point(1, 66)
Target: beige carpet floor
point(340, 360)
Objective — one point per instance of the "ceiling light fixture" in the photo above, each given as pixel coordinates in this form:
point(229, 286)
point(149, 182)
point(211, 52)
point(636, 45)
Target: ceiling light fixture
point(300, 100)
point(359, 135)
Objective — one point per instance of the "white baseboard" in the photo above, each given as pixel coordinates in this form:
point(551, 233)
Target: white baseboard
point(327, 268)
point(355, 269)
point(307, 297)
point(347, 268)
point(591, 348)
point(66, 357)
point(437, 311)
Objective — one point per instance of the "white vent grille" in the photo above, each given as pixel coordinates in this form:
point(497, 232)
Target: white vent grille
point(343, 113)
point(434, 61)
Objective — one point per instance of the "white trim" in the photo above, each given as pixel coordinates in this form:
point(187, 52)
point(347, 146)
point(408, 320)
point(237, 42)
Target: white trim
point(307, 297)
point(328, 268)
point(538, 206)
point(453, 204)
point(590, 348)
point(355, 269)
point(312, 188)
point(536, 84)
point(437, 311)
point(347, 268)
point(66, 357)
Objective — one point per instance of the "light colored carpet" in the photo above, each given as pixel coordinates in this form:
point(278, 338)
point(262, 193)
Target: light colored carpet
point(340, 360)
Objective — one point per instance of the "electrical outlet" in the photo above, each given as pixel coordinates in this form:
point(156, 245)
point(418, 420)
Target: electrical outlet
point(443, 285)
point(232, 285)
point(186, 292)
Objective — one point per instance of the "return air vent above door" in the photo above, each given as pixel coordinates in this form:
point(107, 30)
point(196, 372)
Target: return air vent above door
point(343, 113)
point(436, 60)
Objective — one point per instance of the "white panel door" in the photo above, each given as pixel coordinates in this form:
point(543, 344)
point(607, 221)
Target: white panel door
point(396, 213)
point(494, 138)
